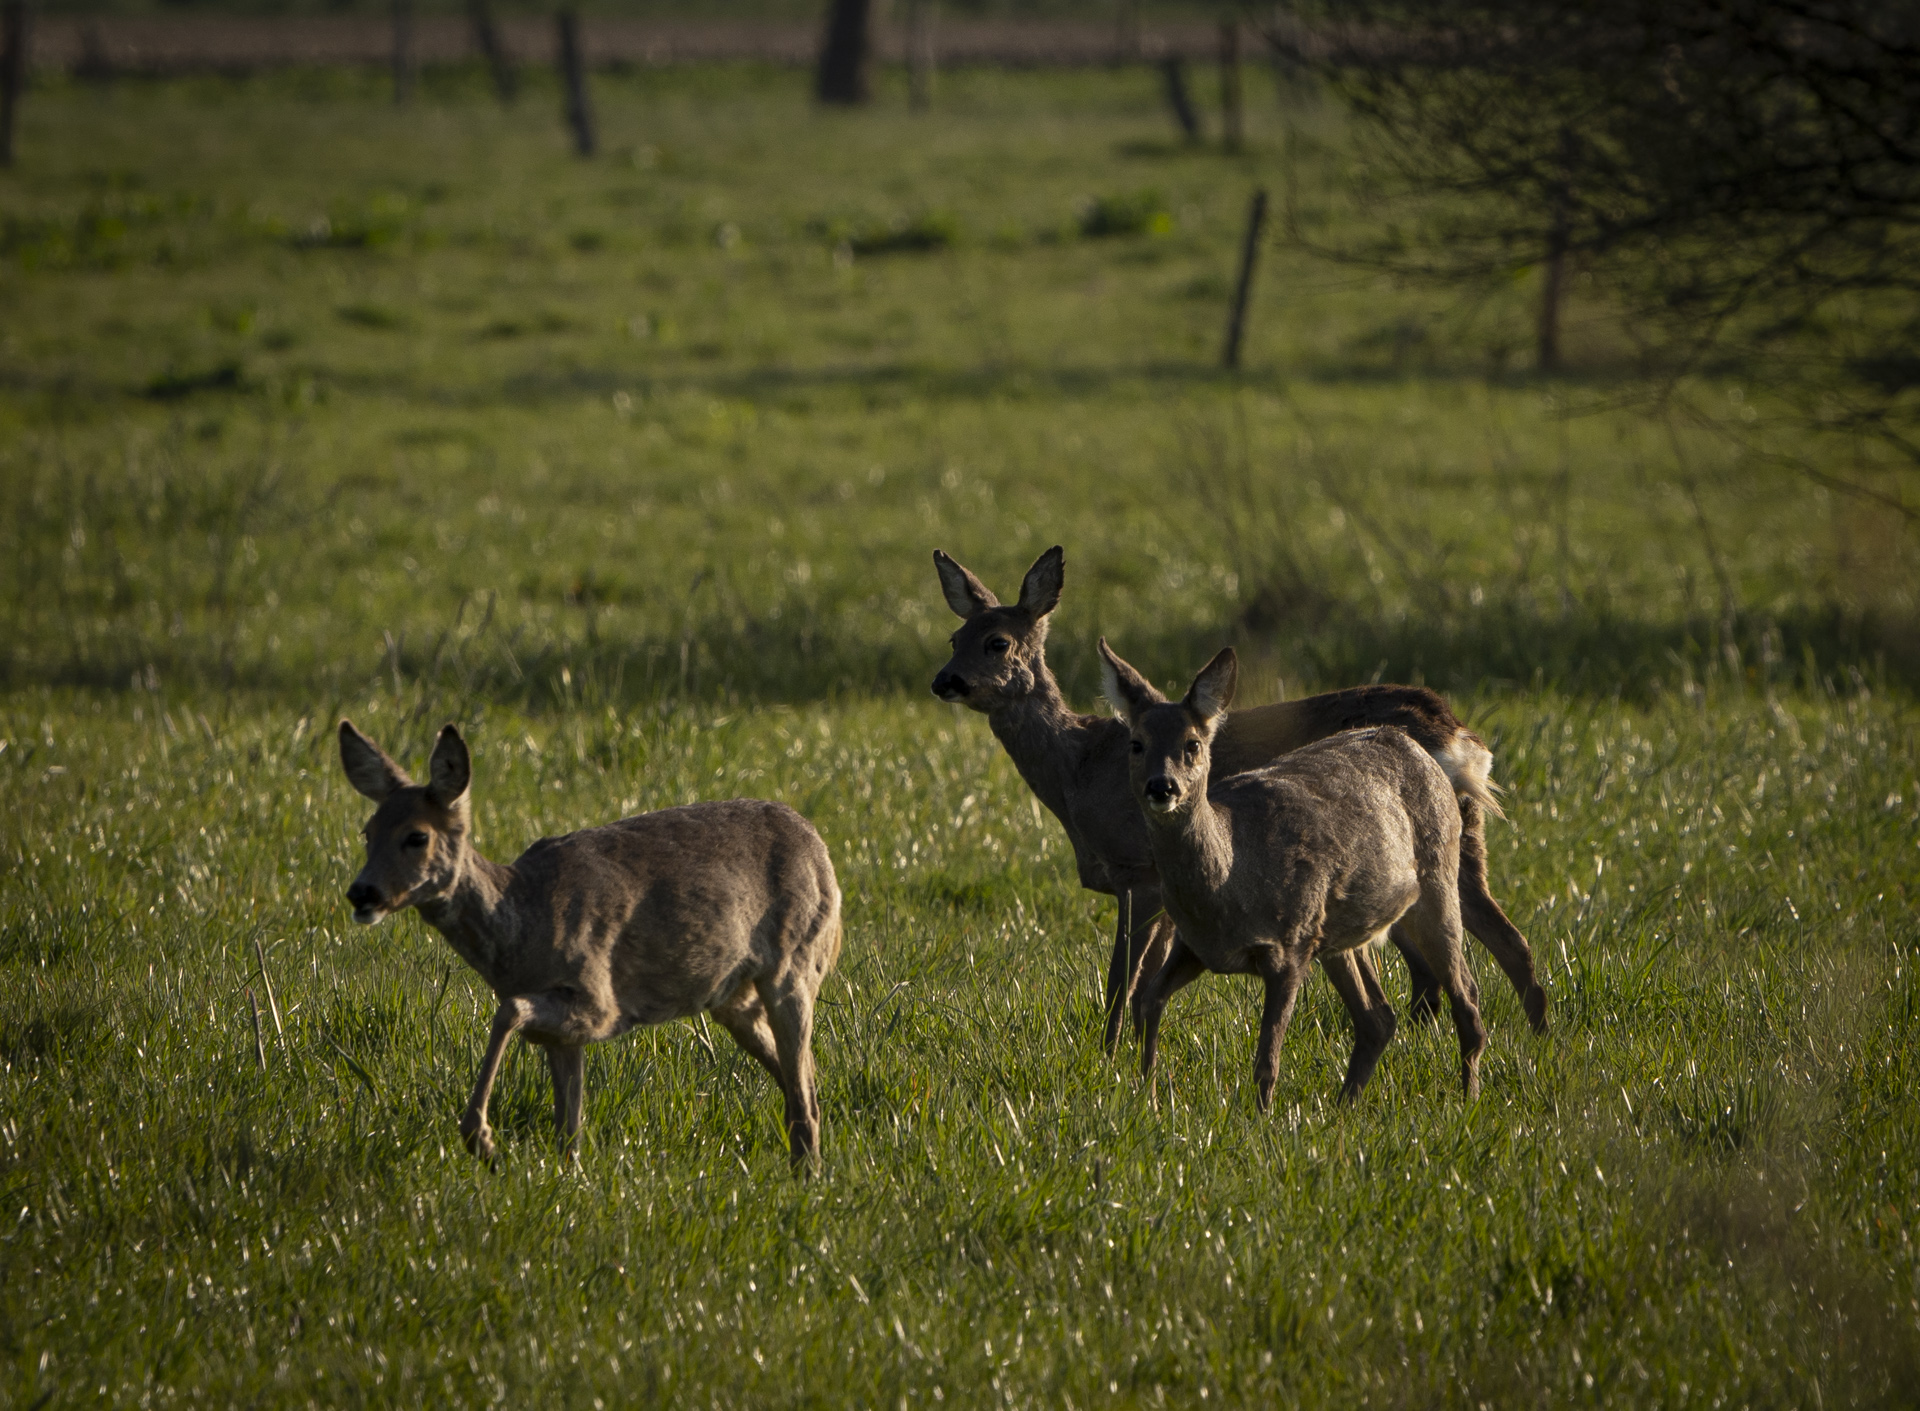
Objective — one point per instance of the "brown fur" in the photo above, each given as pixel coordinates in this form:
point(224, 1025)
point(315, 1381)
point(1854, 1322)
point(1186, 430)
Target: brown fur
point(1309, 858)
point(1075, 765)
point(731, 909)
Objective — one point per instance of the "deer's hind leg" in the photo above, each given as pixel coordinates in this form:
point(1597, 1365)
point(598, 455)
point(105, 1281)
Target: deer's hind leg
point(744, 1016)
point(789, 1011)
point(1353, 976)
point(1433, 924)
point(1424, 1006)
point(1483, 916)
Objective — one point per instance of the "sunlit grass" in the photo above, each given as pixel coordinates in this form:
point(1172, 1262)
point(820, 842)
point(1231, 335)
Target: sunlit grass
point(308, 408)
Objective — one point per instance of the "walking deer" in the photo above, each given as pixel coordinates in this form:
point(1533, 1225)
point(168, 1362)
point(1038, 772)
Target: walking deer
point(1312, 857)
point(728, 908)
point(1076, 765)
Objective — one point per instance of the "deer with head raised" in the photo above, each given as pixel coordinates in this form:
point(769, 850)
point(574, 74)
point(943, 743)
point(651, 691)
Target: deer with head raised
point(1077, 766)
point(730, 909)
point(1312, 857)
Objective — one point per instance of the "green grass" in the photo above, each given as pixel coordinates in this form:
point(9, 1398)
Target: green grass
point(633, 468)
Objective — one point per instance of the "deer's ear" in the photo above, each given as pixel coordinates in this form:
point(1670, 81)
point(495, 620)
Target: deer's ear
point(964, 593)
point(450, 770)
point(368, 769)
point(1212, 690)
point(1040, 590)
point(1121, 684)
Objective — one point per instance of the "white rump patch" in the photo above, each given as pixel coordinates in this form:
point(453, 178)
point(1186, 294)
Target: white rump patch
point(1468, 764)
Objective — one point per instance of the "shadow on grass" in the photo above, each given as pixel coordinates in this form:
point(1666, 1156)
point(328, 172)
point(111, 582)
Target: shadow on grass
point(735, 657)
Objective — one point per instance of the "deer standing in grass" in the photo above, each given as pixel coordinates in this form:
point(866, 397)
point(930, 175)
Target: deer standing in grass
point(726, 908)
point(1077, 766)
point(1313, 857)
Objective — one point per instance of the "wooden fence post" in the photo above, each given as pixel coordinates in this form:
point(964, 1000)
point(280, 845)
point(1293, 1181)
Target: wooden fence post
point(402, 50)
point(1175, 75)
point(573, 70)
point(14, 38)
point(486, 38)
point(1232, 127)
point(1243, 290)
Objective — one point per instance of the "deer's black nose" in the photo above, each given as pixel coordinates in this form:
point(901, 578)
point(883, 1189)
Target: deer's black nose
point(1160, 789)
point(362, 895)
point(949, 687)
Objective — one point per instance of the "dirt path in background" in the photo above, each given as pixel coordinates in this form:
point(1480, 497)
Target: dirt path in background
point(186, 44)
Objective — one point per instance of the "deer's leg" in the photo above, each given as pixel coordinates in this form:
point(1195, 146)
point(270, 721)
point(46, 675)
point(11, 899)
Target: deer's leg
point(1424, 1006)
point(790, 1014)
point(1353, 976)
point(1434, 923)
point(1283, 989)
point(1119, 967)
point(558, 1018)
point(1483, 916)
point(1183, 967)
point(508, 1018)
point(568, 1068)
point(1160, 935)
point(745, 1017)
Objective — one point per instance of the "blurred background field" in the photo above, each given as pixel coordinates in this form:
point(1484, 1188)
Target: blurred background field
point(311, 404)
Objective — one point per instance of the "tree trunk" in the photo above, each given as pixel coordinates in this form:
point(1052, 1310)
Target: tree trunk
point(402, 50)
point(1175, 74)
point(13, 71)
point(486, 37)
point(845, 55)
point(1232, 127)
point(573, 70)
point(920, 57)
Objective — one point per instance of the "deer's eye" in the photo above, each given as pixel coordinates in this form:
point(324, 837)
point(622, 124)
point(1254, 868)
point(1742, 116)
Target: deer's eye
point(415, 840)
point(1193, 751)
point(1137, 747)
point(997, 646)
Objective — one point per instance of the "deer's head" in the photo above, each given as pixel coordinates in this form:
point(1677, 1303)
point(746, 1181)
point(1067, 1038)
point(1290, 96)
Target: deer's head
point(417, 837)
point(999, 652)
point(1170, 747)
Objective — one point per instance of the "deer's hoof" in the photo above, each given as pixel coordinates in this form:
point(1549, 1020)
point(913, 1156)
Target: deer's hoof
point(1536, 1006)
point(479, 1138)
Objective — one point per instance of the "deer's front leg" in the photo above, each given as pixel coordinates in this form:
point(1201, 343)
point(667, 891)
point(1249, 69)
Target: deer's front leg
point(1283, 988)
point(507, 1019)
point(1183, 967)
point(561, 1020)
point(568, 1066)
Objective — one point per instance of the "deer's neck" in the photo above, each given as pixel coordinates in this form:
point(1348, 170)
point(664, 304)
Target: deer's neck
point(1193, 852)
point(473, 914)
point(1044, 739)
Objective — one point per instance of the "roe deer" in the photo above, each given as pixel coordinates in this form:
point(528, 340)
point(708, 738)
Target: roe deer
point(1310, 858)
point(730, 908)
point(1076, 766)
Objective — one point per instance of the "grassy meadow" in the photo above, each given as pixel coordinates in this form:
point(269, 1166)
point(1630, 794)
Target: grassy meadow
point(310, 406)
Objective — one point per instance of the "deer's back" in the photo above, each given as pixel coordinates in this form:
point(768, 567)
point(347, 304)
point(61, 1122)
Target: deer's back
point(1358, 790)
point(1333, 838)
point(1258, 735)
point(669, 909)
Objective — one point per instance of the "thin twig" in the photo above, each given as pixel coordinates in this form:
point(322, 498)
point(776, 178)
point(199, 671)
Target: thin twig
point(259, 1045)
point(266, 981)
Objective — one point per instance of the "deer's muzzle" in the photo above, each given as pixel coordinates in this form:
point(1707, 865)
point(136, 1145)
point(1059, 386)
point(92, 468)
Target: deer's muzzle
point(1161, 793)
point(364, 898)
point(949, 687)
